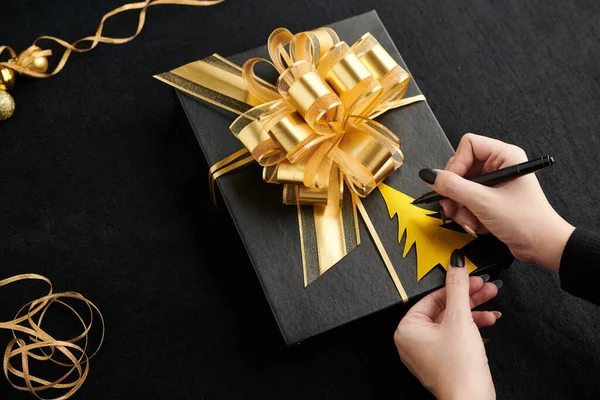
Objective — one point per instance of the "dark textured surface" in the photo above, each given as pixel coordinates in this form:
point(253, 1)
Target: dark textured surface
point(100, 194)
point(359, 284)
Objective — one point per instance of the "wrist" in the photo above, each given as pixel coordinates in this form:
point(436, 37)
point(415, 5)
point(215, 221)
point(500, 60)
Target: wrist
point(555, 237)
point(468, 394)
point(479, 390)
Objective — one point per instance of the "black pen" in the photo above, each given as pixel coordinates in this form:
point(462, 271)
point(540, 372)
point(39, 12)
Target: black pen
point(496, 177)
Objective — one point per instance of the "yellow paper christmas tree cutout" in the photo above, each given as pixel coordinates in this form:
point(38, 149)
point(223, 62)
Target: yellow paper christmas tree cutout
point(433, 243)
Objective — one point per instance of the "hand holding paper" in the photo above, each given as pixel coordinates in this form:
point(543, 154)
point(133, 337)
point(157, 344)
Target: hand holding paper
point(439, 341)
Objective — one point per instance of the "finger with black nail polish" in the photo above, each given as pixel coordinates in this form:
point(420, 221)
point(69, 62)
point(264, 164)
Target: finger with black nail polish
point(457, 259)
point(428, 175)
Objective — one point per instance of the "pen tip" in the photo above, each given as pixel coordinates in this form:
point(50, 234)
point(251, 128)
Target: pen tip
point(416, 201)
point(551, 160)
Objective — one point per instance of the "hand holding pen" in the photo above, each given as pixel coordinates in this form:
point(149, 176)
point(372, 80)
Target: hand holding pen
point(489, 179)
point(516, 212)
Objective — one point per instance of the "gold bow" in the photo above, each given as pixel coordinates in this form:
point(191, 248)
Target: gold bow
point(313, 132)
point(318, 119)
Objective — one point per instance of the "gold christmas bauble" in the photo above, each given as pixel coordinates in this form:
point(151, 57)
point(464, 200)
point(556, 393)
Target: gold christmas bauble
point(7, 79)
point(29, 59)
point(40, 64)
point(7, 105)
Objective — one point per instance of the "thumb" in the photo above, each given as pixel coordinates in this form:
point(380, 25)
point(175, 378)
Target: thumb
point(457, 284)
point(456, 187)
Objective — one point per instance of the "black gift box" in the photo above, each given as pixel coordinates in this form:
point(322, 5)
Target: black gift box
point(359, 284)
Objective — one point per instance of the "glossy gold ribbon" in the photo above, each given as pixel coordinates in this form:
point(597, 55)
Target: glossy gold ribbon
point(23, 63)
point(313, 131)
point(37, 344)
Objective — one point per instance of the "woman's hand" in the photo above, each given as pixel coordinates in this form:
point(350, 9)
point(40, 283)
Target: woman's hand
point(516, 212)
point(439, 341)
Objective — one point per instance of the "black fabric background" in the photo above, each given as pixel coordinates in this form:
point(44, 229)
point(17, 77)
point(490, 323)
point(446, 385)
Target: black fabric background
point(102, 192)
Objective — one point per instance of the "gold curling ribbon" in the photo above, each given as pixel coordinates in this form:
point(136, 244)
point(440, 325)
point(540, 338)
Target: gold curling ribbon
point(313, 131)
point(28, 321)
point(23, 62)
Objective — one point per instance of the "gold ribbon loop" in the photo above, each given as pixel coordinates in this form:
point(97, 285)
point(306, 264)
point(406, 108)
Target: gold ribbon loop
point(284, 173)
point(314, 100)
point(310, 46)
point(367, 154)
point(349, 78)
point(275, 45)
point(249, 130)
point(295, 136)
point(373, 56)
point(392, 77)
point(259, 88)
point(306, 196)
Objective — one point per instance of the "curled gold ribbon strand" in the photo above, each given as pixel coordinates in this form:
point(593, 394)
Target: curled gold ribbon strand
point(20, 65)
point(38, 339)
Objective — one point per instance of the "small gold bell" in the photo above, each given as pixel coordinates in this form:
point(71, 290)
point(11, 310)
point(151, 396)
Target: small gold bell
point(7, 105)
point(7, 79)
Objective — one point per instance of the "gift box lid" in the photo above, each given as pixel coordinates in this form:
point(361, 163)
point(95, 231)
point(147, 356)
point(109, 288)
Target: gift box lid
point(359, 284)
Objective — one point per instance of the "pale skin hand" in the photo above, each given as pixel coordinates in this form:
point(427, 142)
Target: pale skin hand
point(439, 341)
point(516, 212)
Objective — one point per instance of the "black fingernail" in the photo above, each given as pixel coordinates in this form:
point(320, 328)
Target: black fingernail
point(428, 175)
point(485, 277)
point(498, 283)
point(457, 259)
point(443, 215)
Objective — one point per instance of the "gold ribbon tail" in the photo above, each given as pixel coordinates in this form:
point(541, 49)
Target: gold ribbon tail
point(396, 104)
point(381, 248)
point(224, 166)
point(215, 80)
point(327, 231)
